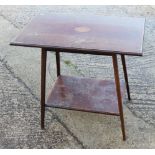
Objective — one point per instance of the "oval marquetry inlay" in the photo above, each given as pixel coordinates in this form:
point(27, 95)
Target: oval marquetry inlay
point(82, 29)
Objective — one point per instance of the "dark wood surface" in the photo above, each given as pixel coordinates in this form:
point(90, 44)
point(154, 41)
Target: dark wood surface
point(84, 94)
point(84, 33)
point(43, 85)
point(119, 94)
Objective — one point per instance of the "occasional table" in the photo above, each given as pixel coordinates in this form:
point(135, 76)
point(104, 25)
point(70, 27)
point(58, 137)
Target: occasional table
point(84, 34)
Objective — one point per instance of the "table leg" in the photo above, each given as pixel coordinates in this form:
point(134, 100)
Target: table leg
point(118, 90)
point(58, 62)
point(125, 76)
point(43, 85)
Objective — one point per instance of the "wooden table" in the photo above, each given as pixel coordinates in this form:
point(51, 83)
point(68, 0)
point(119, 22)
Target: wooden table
point(86, 34)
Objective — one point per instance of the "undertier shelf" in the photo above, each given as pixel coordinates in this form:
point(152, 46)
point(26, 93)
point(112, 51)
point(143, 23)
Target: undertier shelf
point(84, 94)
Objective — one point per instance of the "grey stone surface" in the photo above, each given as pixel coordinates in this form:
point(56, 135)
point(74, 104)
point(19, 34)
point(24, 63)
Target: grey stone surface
point(92, 130)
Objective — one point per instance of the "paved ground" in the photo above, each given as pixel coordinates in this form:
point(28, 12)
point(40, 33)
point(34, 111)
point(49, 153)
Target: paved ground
point(75, 129)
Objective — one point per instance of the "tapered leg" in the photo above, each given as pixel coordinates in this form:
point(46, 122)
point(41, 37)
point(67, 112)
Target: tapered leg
point(43, 85)
point(58, 62)
point(118, 90)
point(125, 76)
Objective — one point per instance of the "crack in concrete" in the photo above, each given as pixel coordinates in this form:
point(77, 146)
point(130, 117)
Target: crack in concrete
point(139, 117)
point(5, 18)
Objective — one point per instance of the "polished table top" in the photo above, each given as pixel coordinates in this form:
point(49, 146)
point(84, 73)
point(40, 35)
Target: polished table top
point(84, 33)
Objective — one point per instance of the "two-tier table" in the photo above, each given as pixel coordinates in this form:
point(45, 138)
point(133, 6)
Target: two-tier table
point(85, 34)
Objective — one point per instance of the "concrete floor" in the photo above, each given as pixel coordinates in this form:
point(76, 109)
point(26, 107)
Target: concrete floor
point(87, 129)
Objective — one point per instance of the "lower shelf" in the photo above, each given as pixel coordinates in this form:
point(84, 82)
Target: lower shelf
point(84, 94)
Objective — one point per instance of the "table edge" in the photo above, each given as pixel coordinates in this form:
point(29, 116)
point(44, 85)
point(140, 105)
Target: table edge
point(77, 50)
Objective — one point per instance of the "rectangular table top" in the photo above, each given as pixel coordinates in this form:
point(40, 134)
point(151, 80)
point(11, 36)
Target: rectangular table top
point(84, 33)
